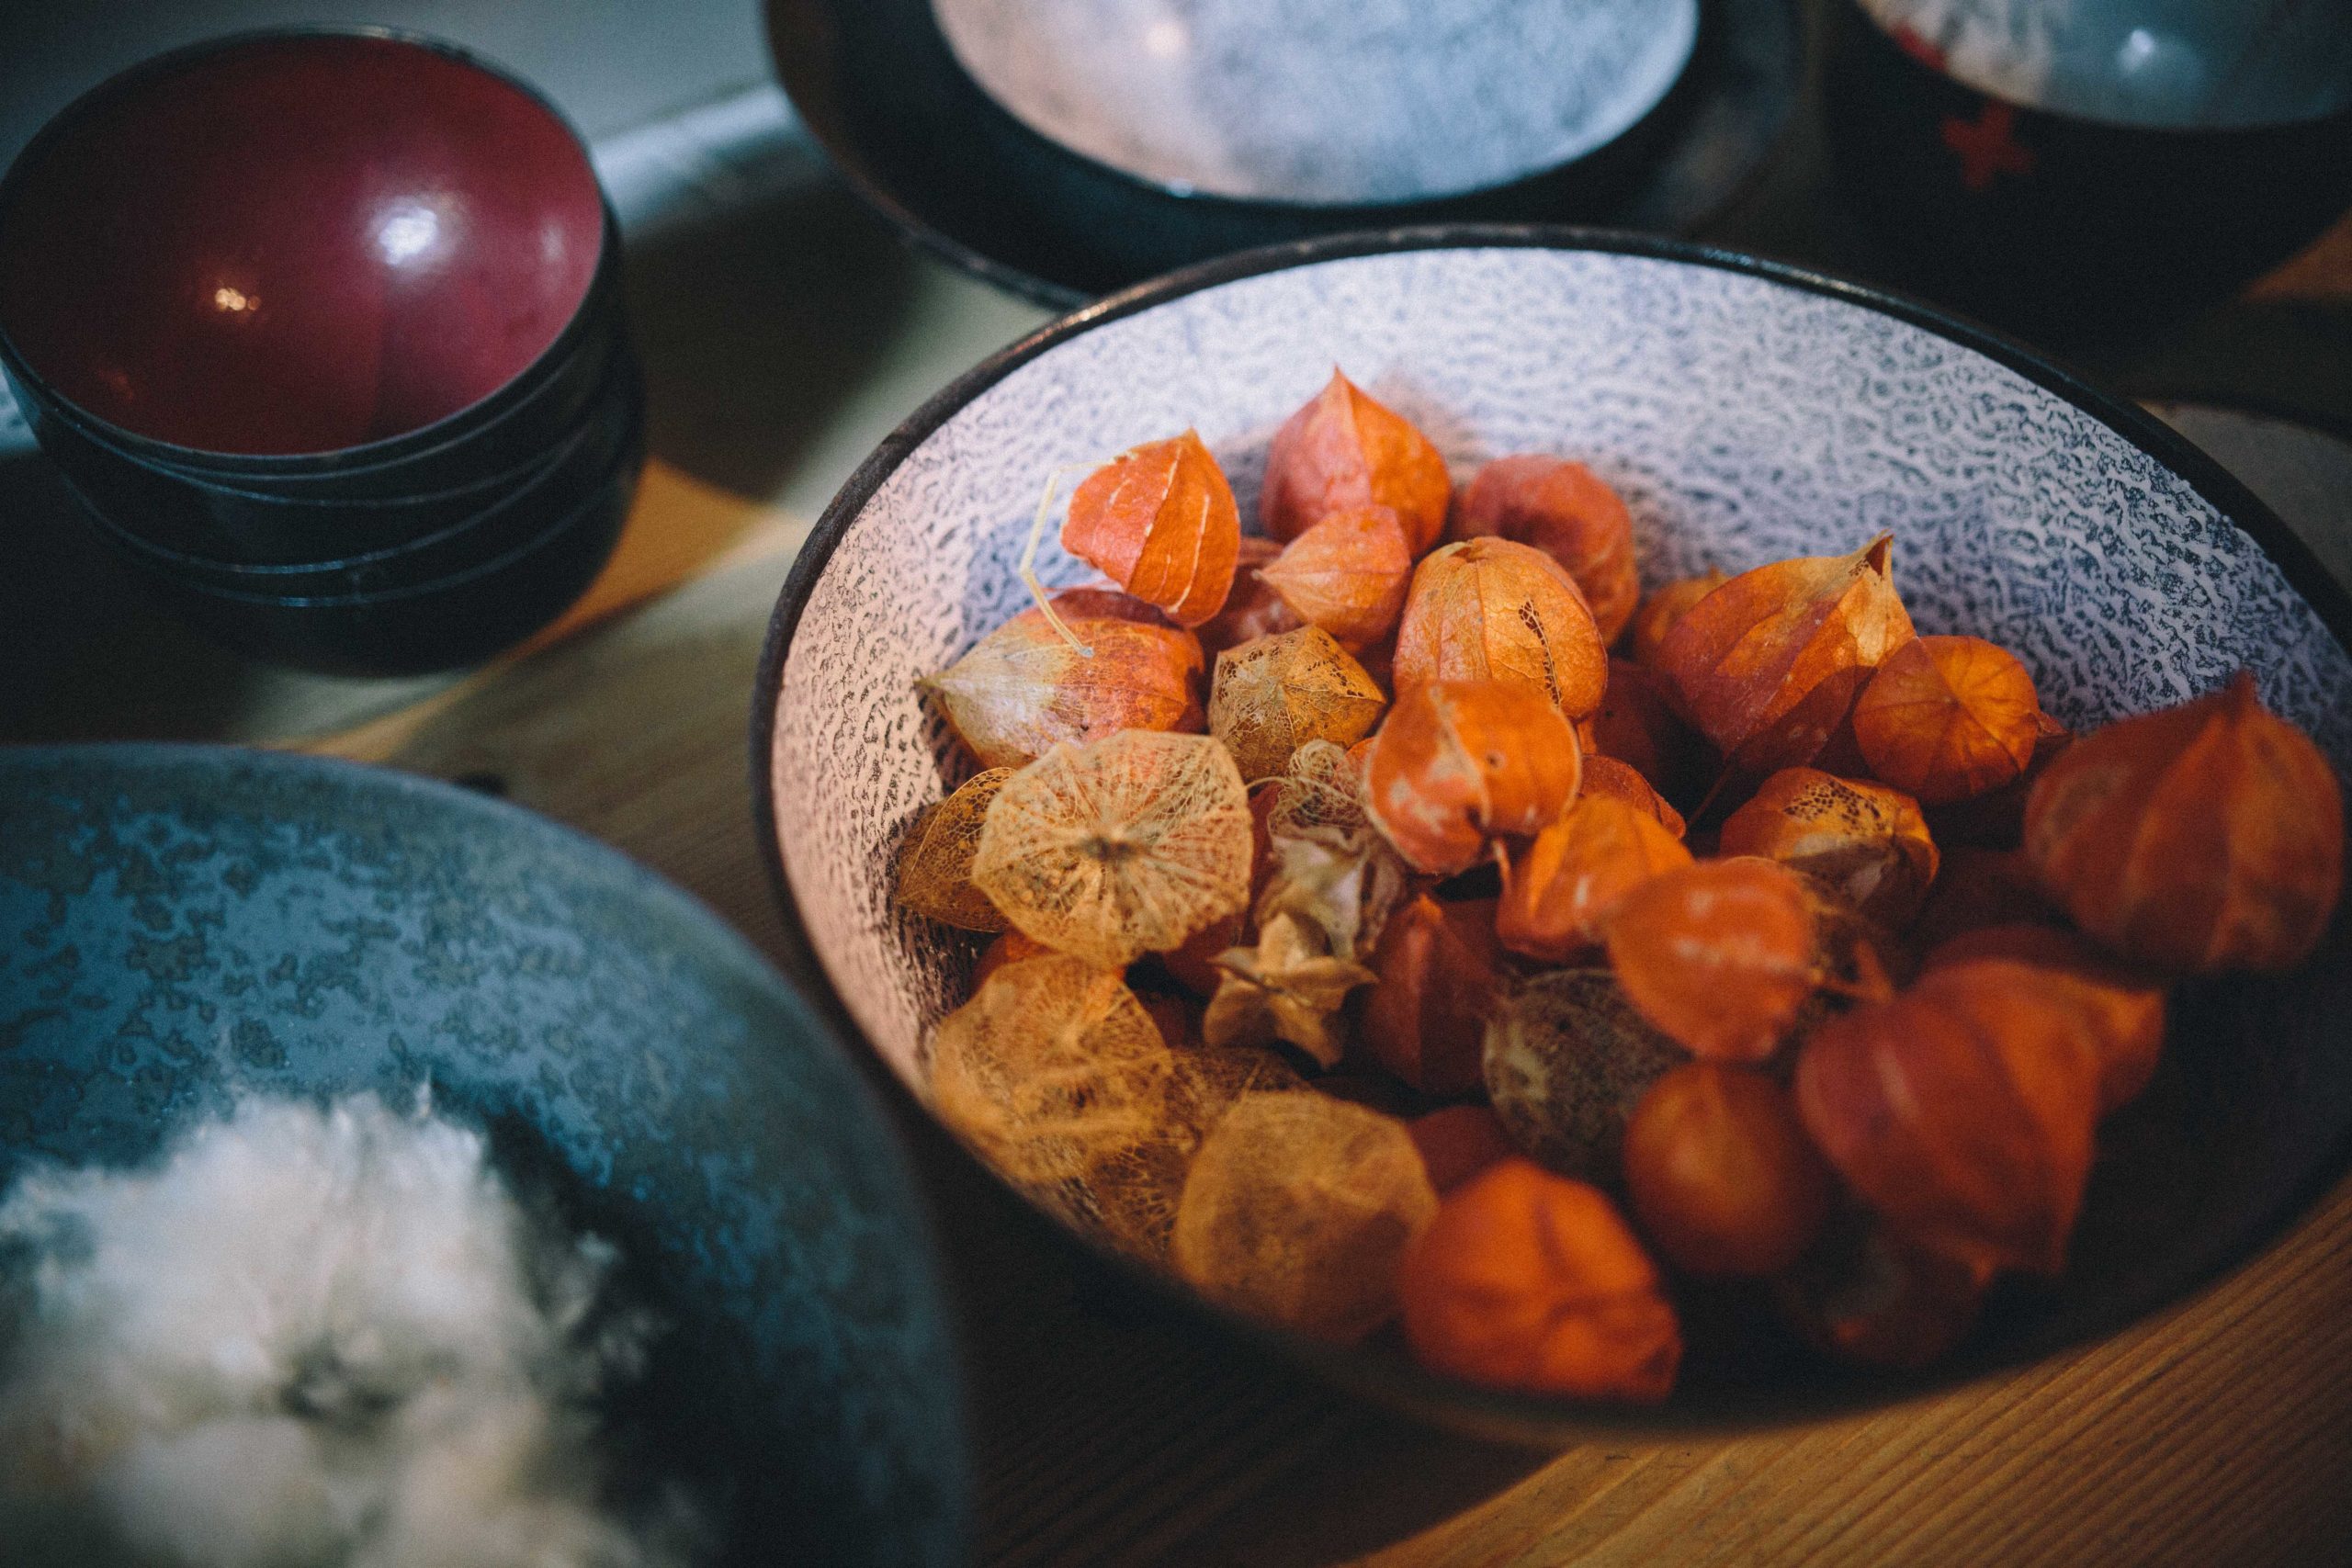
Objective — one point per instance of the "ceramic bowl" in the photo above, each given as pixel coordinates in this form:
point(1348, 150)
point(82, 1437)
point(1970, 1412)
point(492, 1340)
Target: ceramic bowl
point(1746, 412)
point(188, 923)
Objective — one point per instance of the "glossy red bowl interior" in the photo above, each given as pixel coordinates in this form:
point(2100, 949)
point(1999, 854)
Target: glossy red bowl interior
point(294, 244)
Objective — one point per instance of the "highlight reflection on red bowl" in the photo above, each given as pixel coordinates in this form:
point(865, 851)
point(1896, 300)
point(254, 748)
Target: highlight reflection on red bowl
point(295, 244)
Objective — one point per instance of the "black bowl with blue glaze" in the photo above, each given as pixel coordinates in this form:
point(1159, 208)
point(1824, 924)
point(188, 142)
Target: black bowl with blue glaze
point(1746, 412)
point(188, 924)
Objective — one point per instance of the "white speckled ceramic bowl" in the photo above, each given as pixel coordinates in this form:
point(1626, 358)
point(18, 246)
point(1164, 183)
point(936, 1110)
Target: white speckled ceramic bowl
point(1746, 412)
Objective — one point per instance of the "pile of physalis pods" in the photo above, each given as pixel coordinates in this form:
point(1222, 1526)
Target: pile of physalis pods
point(1391, 985)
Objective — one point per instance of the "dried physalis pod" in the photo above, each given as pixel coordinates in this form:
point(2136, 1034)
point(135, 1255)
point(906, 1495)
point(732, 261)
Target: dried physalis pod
point(1253, 609)
point(1768, 665)
point(1131, 1194)
point(1996, 820)
point(1566, 1059)
point(2202, 838)
point(1947, 717)
point(1159, 520)
point(1719, 954)
point(1662, 609)
point(1962, 1111)
point(2124, 1006)
point(1193, 965)
point(1023, 688)
point(1606, 776)
point(1457, 1142)
point(1720, 1174)
point(1637, 725)
point(1530, 1281)
point(1296, 1210)
point(1564, 884)
point(1439, 973)
point(1010, 947)
point(1123, 847)
point(1859, 842)
point(1460, 761)
point(1567, 512)
point(1276, 694)
point(1287, 987)
point(936, 862)
point(1343, 451)
point(1975, 888)
point(1490, 610)
point(1346, 573)
point(1864, 1295)
point(1329, 865)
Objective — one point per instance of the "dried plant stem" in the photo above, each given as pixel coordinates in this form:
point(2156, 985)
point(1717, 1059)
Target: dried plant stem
point(1029, 552)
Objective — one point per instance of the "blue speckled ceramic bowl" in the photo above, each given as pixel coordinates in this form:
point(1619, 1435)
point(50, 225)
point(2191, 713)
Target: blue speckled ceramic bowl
point(182, 924)
point(1746, 412)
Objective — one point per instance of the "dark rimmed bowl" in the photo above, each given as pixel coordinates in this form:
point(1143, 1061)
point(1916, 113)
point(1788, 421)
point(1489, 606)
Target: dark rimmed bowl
point(1747, 411)
point(187, 923)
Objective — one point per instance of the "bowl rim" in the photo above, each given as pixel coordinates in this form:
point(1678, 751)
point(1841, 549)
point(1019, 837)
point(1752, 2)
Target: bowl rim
point(449, 427)
point(1399, 1382)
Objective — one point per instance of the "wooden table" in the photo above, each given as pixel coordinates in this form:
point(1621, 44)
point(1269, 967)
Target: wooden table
point(2219, 1431)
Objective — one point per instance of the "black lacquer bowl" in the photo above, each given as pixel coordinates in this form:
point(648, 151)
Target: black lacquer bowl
point(185, 923)
point(1746, 412)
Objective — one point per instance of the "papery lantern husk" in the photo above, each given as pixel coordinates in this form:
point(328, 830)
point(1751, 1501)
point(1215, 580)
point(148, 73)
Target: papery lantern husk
point(936, 862)
point(1533, 1281)
point(1193, 965)
point(1459, 761)
point(2124, 1006)
point(1288, 985)
point(1720, 1174)
point(1962, 1111)
point(1620, 781)
point(1996, 820)
point(1347, 573)
point(1123, 847)
point(1161, 522)
point(1567, 512)
point(1563, 887)
point(1567, 1058)
point(1768, 664)
point(1439, 974)
point(1130, 1196)
point(1253, 609)
point(1024, 688)
point(1718, 955)
point(1491, 610)
point(2204, 837)
point(1658, 614)
point(1636, 725)
point(1276, 694)
point(1944, 718)
point(1345, 450)
point(1327, 864)
point(1296, 1210)
point(1861, 842)
point(1010, 947)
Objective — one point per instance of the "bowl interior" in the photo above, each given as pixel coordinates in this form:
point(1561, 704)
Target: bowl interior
point(1744, 418)
point(188, 923)
point(294, 245)
point(1324, 101)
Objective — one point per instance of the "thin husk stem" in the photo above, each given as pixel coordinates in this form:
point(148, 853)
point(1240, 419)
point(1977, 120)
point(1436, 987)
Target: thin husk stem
point(1029, 552)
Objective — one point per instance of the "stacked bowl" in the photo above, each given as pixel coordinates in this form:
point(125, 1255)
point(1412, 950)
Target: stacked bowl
point(326, 331)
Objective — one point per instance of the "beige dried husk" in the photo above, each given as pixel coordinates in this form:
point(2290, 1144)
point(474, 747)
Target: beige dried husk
point(1289, 986)
point(1130, 1195)
point(1298, 1210)
point(935, 863)
point(1331, 865)
point(1567, 1060)
point(1123, 847)
point(1272, 695)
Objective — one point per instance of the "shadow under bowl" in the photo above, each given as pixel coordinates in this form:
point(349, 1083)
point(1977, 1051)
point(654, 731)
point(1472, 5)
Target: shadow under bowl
point(1746, 412)
point(191, 924)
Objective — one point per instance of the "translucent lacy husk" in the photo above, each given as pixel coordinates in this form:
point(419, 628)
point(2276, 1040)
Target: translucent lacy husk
point(935, 863)
point(1274, 695)
point(1567, 1059)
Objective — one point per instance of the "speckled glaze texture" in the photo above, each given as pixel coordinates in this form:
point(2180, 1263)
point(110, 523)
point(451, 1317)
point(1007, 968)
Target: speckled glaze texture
point(179, 925)
point(1324, 100)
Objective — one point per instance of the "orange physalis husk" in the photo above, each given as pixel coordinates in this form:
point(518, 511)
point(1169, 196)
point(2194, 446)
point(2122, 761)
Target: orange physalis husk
point(1720, 1174)
point(1343, 450)
point(1567, 512)
point(1861, 842)
point(1329, 865)
point(1023, 688)
point(1996, 820)
point(1457, 1142)
point(1768, 664)
point(1010, 947)
point(1159, 520)
point(936, 862)
point(1438, 974)
point(1347, 574)
point(2202, 838)
point(1530, 1281)
point(1276, 694)
point(1297, 1210)
point(1947, 717)
point(1606, 776)
point(1253, 609)
point(1718, 955)
point(1288, 987)
point(1662, 609)
point(1193, 965)
point(1976, 887)
point(1123, 847)
point(2125, 1005)
point(1567, 1060)
point(1962, 1111)
point(1637, 726)
point(1490, 610)
point(1460, 761)
point(1864, 1295)
point(1563, 886)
